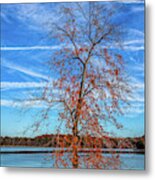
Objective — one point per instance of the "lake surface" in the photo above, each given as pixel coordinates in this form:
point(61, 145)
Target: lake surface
point(45, 160)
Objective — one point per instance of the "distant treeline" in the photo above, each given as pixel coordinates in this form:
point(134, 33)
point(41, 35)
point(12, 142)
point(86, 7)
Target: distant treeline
point(53, 140)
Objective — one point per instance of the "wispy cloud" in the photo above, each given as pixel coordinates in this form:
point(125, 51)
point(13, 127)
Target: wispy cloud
point(29, 104)
point(25, 70)
point(136, 98)
point(37, 16)
point(137, 9)
point(129, 1)
point(12, 85)
point(136, 41)
point(136, 83)
point(24, 104)
point(135, 33)
point(139, 68)
point(55, 47)
point(131, 45)
point(133, 48)
point(5, 17)
point(40, 17)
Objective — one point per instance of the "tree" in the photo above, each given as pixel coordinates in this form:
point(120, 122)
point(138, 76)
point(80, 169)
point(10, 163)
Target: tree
point(91, 84)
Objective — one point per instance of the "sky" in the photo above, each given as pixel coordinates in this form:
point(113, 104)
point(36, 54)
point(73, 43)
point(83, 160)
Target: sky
point(26, 46)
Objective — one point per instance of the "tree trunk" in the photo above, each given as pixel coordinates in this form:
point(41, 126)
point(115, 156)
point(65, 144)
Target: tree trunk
point(75, 158)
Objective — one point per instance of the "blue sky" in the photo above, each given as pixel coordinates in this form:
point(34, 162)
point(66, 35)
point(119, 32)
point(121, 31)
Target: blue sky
point(26, 46)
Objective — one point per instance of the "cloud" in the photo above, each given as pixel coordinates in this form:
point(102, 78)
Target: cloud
point(24, 70)
point(138, 9)
point(55, 47)
point(133, 48)
point(135, 33)
point(134, 41)
point(126, 46)
point(5, 17)
point(12, 85)
point(136, 98)
point(24, 104)
point(38, 16)
point(134, 110)
point(35, 16)
point(30, 104)
point(136, 83)
point(128, 1)
point(139, 68)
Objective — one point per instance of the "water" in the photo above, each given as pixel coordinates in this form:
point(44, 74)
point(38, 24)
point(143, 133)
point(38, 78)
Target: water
point(45, 160)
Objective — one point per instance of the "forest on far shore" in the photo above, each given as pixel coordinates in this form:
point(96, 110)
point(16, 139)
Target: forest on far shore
point(52, 140)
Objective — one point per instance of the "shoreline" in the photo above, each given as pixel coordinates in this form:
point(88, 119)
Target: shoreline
point(84, 150)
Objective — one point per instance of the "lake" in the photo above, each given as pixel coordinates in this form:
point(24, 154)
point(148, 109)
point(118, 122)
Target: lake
point(129, 161)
